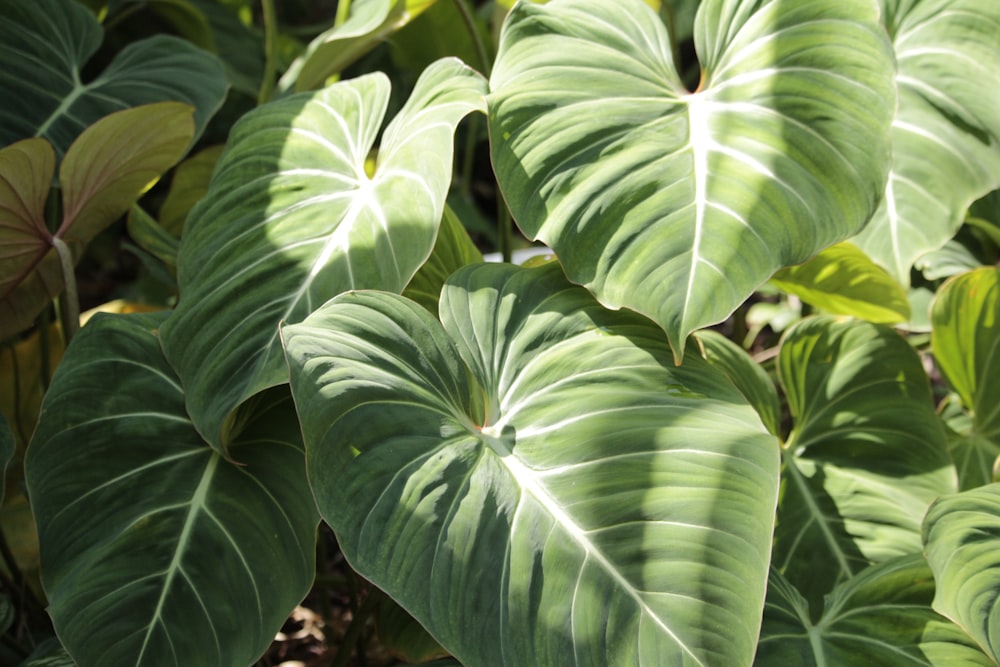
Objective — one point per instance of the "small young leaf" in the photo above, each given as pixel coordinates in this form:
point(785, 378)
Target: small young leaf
point(842, 280)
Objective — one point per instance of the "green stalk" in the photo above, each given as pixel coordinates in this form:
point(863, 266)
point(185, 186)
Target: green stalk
point(343, 12)
point(356, 628)
point(505, 229)
point(270, 51)
point(69, 303)
point(477, 39)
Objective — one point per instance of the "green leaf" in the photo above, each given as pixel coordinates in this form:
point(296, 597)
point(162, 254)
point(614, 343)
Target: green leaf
point(404, 637)
point(369, 23)
point(677, 204)
point(842, 280)
point(240, 48)
point(188, 186)
point(880, 617)
point(946, 134)
point(178, 555)
point(748, 376)
point(962, 542)
point(292, 219)
point(49, 653)
point(452, 250)
point(866, 457)
point(533, 478)
point(54, 102)
point(965, 339)
point(104, 171)
point(152, 237)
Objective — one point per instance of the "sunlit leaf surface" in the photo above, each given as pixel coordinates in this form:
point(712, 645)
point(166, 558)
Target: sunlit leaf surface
point(533, 478)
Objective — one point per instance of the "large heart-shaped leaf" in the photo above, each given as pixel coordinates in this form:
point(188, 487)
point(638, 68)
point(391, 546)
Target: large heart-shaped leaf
point(533, 478)
point(881, 617)
point(962, 540)
point(104, 171)
point(292, 219)
point(53, 101)
point(677, 204)
point(156, 550)
point(966, 341)
point(866, 457)
point(946, 134)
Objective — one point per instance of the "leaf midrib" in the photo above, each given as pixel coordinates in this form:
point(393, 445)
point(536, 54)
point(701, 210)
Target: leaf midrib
point(526, 480)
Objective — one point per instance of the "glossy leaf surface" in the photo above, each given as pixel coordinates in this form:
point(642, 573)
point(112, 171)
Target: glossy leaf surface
point(54, 102)
point(866, 457)
point(880, 617)
point(842, 280)
point(677, 204)
point(452, 250)
point(533, 478)
point(946, 134)
point(178, 556)
point(962, 541)
point(292, 219)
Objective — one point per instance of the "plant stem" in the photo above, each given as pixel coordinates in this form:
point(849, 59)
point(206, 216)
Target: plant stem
point(505, 230)
point(477, 39)
point(469, 156)
point(357, 626)
point(69, 304)
point(270, 51)
point(343, 12)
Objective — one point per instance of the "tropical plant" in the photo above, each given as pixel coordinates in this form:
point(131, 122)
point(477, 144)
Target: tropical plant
point(580, 460)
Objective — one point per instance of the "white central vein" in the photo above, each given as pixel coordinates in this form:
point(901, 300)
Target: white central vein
point(528, 480)
point(699, 140)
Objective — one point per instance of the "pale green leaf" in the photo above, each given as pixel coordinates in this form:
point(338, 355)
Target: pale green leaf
point(452, 250)
point(155, 549)
point(962, 542)
point(292, 219)
point(678, 204)
point(533, 478)
point(44, 45)
point(150, 235)
point(883, 617)
point(842, 280)
point(966, 339)
point(946, 134)
point(369, 23)
point(866, 457)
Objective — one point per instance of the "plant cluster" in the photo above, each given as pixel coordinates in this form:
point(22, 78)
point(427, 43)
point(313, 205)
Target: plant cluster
point(603, 456)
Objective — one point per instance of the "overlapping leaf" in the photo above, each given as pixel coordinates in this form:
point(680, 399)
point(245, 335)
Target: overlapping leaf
point(842, 280)
point(880, 617)
point(44, 45)
point(966, 342)
point(104, 171)
point(156, 550)
point(533, 478)
point(749, 377)
point(292, 219)
point(680, 204)
point(866, 457)
point(369, 23)
point(962, 540)
point(946, 134)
